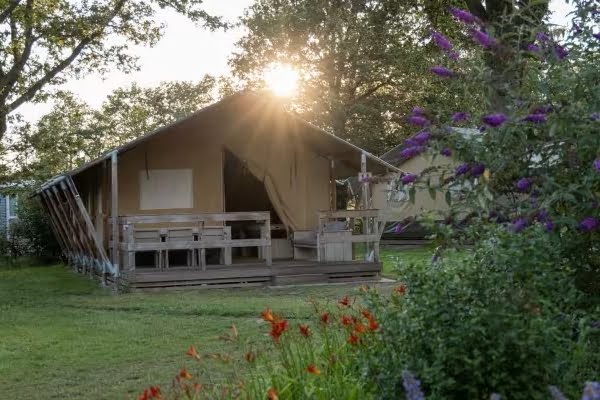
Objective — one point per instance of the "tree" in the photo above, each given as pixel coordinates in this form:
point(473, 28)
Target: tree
point(131, 112)
point(73, 133)
point(45, 42)
point(363, 62)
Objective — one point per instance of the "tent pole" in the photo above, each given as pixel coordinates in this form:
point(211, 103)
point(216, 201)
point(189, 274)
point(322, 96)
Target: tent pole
point(114, 215)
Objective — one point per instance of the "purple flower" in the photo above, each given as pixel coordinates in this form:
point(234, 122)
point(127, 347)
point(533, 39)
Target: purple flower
point(524, 185)
point(462, 169)
point(485, 40)
point(595, 116)
point(542, 109)
point(477, 169)
point(495, 120)
point(422, 137)
point(446, 152)
point(589, 224)
point(533, 48)
point(412, 151)
point(453, 55)
point(464, 16)
point(442, 71)
point(535, 118)
point(418, 120)
point(591, 391)
point(412, 386)
point(542, 37)
point(399, 228)
point(460, 116)
point(597, 164)
point(560, 52)
point(556, 393)
point(409, 178)
point(441, 41)
point(418, 111)
point(596, 35)
point(519, 224)
point(549, 226)
point(542, 216)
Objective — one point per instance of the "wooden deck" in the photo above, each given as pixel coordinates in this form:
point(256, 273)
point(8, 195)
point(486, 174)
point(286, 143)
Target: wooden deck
point(253, 274)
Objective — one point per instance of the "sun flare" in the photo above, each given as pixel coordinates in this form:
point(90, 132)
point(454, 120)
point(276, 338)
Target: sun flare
point(281, 79)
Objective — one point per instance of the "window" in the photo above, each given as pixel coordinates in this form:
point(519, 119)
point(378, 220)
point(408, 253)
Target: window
point(12, 206)
point(162, 189)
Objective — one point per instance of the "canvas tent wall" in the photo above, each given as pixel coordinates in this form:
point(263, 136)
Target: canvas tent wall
point(290, 156)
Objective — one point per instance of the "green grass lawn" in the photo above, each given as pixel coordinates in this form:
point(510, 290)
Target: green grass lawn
point(63, 337)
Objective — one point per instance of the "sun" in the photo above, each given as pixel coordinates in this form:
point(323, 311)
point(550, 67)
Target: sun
point(281, 79)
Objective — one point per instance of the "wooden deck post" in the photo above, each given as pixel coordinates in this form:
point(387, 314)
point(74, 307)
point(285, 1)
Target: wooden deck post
point(332, 186)
point(365, 200)
point(114, 215)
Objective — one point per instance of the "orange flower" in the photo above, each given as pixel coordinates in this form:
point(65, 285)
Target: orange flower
point(373, 325)
point(153, 392)
point(325, 318)
point(267, 315)
point(250, 356)
point(185, 374)
point(353, 339)
point(197, 387)
point(312, 369)
point(400, 290)
point(305, 330)
point(277, 328)
point(360, 328)
point(367, 314)
point(193, 353)
point(347, 320)
point(272, 394)
point(345, 301)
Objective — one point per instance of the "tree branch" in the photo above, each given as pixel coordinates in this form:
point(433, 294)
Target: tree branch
point(476, 8)
point(372, 90)
point(35, 87)
point(8, 80)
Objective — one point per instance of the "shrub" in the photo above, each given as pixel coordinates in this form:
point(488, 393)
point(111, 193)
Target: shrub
point(500, 320)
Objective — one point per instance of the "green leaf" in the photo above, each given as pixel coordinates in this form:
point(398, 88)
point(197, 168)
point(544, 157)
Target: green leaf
point(411, 194)
point(432, 193)
point(448, 198)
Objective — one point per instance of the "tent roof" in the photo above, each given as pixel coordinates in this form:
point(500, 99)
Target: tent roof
point(250, 107)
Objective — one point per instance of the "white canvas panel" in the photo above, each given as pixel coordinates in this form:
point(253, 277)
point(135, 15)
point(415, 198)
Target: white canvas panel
point(162, 189)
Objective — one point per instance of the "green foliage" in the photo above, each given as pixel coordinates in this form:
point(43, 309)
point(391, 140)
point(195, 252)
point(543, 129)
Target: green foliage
point(363, 63)
point(31, 234)
point(500, 320)
point(45, 42)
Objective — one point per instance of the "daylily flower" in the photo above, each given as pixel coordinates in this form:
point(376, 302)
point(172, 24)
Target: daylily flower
point(267, 315)
point(184, 374)
point(312, 369)
point(400, 289)
point(193, 353)
point(153, 392)
point(366, 314)
point(373, 325)
point(344, 301)
point(325, 318)
point(360, 328)
point(272, 394)
point(347, 320)
point(353, 339)
point(277, 329)
point(304, 330)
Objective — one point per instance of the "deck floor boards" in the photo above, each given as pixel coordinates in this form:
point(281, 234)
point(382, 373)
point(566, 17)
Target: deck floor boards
point(253, 274)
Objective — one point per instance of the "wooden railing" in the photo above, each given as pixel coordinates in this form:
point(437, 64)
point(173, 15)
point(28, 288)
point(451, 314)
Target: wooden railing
point(192, 232)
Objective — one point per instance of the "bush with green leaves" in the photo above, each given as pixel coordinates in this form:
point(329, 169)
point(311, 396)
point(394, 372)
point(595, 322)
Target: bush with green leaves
point(500, 320)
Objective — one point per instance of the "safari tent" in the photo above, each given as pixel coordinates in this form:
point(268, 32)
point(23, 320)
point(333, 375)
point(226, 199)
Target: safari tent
point(238, 193)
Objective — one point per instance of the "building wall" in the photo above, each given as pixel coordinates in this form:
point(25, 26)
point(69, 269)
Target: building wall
point(423, 201)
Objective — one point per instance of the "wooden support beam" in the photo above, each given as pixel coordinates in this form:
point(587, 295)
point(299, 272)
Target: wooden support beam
point(88, 227)
point(72, 249)
point(55, 229)
point(332, 186)
point(114, 212)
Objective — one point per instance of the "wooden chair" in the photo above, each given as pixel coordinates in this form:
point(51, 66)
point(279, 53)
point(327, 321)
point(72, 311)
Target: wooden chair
point(176, 238)
point(215, 233)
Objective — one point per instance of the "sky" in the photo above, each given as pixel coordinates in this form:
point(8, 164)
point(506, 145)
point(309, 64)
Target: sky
point(185, 52)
